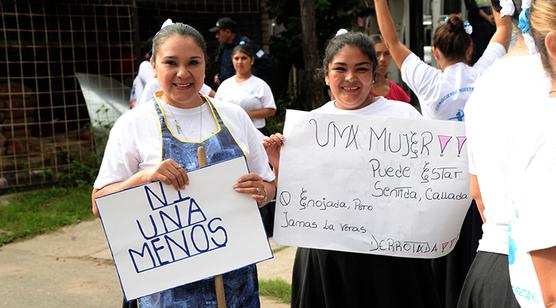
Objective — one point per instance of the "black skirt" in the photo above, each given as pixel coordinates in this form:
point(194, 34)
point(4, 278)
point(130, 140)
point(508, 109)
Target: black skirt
point(450, 271)
point(488, 283)
point(324, 278)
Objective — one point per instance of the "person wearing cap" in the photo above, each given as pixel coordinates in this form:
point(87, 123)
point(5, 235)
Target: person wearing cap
point(228, 37)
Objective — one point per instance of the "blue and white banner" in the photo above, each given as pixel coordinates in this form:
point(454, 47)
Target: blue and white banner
point(161, 238)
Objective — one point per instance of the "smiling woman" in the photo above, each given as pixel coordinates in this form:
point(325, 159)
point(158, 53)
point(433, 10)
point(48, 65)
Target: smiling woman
point(160, 141)
point(324, 278)
point(180, 69)
point(246, 90)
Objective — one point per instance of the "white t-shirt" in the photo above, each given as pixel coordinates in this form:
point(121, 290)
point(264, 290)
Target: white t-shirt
point(153, 86)
point(531, 183)
point(144, 75)
point(135, 141)
point(251, 94)
point(382, 107)
point(145, 72)
point(492, 110)
point(443, 95)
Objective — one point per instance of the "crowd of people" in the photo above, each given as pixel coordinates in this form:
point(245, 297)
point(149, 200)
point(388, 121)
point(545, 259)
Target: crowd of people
point(507, 100)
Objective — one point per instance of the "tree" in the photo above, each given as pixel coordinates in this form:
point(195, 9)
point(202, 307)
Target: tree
point(287, 47)
point(312, 90)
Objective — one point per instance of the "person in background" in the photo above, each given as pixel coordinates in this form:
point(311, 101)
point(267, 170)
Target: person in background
point(326, 278)
point(443, 94)
point(144, 75)
point(532, 243)
point(228, 37)
point(384, 86)
point(255, 97)
point(158, 141)
point(246, 90)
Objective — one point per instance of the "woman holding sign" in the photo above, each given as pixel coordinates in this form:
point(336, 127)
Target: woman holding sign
point(325, 278)
point(159, 141)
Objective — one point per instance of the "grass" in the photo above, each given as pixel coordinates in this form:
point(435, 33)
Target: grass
point(26, 214)
point(277, 289)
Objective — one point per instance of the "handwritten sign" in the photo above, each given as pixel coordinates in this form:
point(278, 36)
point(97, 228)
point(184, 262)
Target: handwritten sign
point(161, 238)
point(381, 186)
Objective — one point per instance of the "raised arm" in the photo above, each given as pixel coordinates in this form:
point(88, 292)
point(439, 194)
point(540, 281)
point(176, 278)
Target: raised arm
point(388, 30)
point(503, 33)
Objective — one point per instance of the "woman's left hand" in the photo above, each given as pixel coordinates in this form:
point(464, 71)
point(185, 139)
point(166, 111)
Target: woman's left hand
point(253, 185)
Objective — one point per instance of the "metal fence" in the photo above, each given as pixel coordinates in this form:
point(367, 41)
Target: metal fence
point(44, 124)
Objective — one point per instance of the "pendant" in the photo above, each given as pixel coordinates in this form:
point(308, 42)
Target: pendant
point(178, 127)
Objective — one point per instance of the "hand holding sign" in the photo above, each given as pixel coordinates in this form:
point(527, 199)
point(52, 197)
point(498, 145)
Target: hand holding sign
point(272, 146)
point(161, 238)
point(168, 172)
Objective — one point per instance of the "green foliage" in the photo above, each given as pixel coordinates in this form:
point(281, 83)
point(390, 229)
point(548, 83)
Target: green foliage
point(101, 129)
point(83, 170)
point(277, 289)
point(27, 214)
point(81, 173)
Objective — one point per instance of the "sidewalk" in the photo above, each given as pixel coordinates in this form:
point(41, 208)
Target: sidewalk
point(73, 268)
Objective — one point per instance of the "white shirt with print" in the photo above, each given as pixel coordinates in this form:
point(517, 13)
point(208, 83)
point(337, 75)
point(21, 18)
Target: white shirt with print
point(443, 95)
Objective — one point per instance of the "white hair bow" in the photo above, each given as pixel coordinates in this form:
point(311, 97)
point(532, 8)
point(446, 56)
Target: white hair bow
point(508, 8)
point(167, 23)
point(341, 31)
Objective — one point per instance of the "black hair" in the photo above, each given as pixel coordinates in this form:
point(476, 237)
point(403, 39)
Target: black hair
point(377, 38)
point(179, 29)
point(245, 48)
point(354, 39)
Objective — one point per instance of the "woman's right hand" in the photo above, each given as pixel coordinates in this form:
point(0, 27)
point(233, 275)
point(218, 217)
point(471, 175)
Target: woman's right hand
point(272, 146)
point(168, 172)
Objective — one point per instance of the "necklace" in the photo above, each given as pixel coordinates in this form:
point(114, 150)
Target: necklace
point(178, 126)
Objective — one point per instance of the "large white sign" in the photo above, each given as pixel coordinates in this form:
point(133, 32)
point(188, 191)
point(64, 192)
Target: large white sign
point(161, 238)
point(381, 186)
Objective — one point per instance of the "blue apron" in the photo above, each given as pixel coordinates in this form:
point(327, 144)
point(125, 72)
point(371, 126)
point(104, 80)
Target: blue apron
point(241, 286)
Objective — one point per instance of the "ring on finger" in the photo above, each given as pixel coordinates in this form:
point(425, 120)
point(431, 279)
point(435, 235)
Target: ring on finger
point(258, 190)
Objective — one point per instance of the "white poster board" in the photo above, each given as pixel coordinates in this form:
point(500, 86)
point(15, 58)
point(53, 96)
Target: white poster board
point(382, 186)
point(161, 238)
